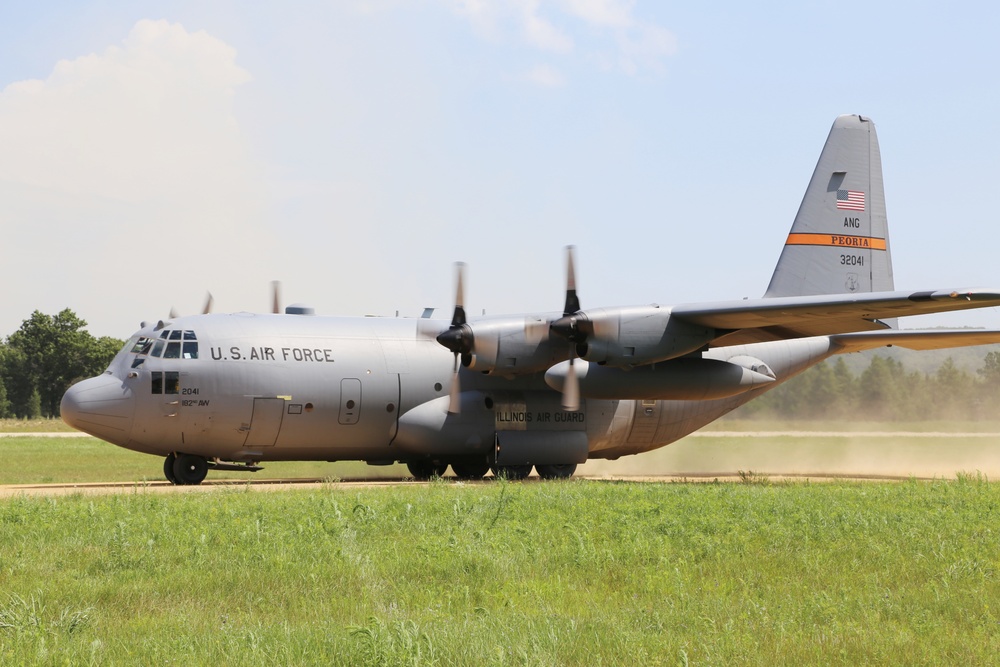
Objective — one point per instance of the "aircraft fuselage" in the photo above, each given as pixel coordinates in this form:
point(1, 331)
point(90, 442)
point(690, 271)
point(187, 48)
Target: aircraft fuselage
point(249, 388)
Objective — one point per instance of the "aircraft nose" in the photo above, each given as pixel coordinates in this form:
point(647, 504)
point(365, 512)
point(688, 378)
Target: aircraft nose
point(101, 406)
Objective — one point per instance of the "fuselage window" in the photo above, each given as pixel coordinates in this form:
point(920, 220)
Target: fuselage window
point(190, 349)
point(168, 382)
point(158, 348)
point(176, 334)
point(173, 350)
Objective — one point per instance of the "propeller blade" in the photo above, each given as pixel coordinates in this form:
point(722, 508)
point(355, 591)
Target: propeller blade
point(455, 393)
point(458, 318)
point(571, 389)
point(173, 313)
point(572, 301)
point(457, 338)
point(208, 304)
point(276, 296)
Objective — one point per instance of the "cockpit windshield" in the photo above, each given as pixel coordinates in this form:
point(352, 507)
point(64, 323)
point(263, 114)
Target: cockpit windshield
point(171, 344)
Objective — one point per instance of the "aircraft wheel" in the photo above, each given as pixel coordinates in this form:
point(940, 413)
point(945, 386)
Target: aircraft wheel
point(556, 470)
point(190, 470)
point(512, 473)
point(168, 468)
point(425, 470)
point(470, 469)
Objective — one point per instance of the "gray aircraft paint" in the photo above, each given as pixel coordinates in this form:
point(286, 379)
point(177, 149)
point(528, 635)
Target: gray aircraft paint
point(304, 387)
point(850, 229)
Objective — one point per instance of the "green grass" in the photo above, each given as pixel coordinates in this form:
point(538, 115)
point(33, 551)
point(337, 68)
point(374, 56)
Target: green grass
point(559, 573)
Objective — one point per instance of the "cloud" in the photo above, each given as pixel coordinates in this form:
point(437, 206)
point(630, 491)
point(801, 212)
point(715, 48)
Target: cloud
point(147, 119)
point(545, 76)
point(490, 17)
point(125, 174)
point(624, 43)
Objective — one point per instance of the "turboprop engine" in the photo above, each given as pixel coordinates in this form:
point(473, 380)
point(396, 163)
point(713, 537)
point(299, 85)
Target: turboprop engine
point(504, 346)
point(689, 378)
point(631, 335)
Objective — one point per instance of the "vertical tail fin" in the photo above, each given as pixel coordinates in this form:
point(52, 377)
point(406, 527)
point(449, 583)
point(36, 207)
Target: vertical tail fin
point(839, 242)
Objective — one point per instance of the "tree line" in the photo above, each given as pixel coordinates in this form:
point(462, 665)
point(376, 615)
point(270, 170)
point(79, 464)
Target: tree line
point(884, 391)
point(39, 361)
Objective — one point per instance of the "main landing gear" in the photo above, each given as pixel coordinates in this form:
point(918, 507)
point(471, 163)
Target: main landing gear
point(472, 470)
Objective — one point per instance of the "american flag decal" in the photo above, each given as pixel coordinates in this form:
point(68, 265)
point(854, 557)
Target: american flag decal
point(850, 200)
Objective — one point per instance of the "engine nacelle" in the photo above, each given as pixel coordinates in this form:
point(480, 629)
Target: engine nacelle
point(513, 346)
point(688, 379)
point(639, 335)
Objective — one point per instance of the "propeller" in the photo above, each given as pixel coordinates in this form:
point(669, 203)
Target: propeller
point(206, 309)
point(276, 296)
point(457, 338)
point(572, 327)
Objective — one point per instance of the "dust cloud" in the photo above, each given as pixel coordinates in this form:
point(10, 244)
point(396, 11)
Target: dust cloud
point(818, 453)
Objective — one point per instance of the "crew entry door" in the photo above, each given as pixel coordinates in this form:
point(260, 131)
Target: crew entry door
point(265, 422)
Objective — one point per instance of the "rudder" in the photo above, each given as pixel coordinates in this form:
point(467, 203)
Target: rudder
point(839, 242)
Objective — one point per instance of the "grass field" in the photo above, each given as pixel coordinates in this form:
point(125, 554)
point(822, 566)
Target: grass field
point(542, 573)
point(555, 573)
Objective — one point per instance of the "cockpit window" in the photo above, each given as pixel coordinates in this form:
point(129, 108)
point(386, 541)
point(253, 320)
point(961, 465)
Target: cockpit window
point(172, 344)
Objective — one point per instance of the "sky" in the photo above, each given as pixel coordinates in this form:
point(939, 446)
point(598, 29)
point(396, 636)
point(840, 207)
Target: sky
point(153, 152)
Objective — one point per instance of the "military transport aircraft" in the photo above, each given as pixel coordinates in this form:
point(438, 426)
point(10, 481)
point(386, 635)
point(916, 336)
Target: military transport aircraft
point(547, 391)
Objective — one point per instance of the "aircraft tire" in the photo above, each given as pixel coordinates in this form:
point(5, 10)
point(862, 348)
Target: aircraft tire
point(190, 470)
point(513, 473)
point(470, 470)
point(425, 470)
point(556, 470)
point(168, 468)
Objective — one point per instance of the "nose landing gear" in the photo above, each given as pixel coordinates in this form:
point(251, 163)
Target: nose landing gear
point(185, 469)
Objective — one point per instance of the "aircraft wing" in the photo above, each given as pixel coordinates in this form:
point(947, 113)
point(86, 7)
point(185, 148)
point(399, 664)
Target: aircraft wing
point(928, 339)
point(759, 320)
